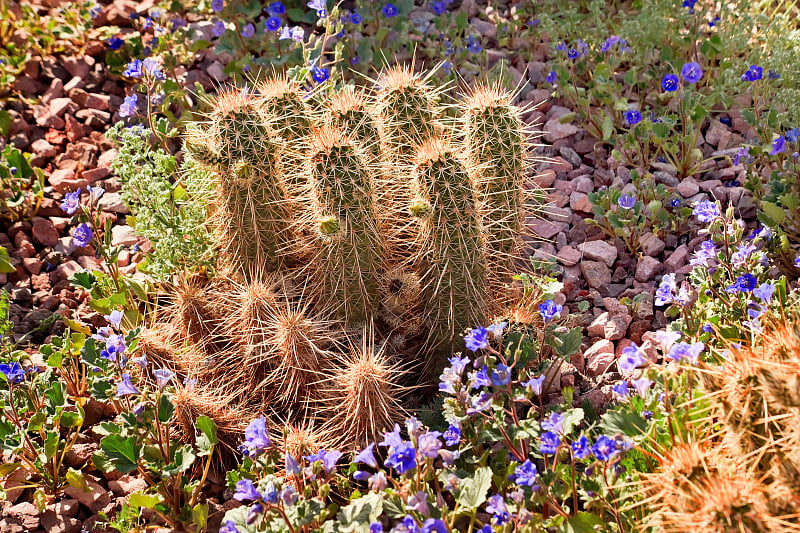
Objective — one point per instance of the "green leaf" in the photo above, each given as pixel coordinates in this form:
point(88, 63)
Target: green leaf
point(200, 515)
point(71, 419)
point(184, 459)
point(51, 444)
point(774, 211)
point(608, 128)
point(208, 427)
point(572, 418)
point(627, 423)
point(360, 513)
point(581, 523)
point(474, 489)
point(749, 117)
point(75, 479)
point(6, 266)
point(121, 452)
point(85, 280)
point(570, 342)
point(6, 469)
point(5, 122)
point(37, 421)
point(140, 499)
point(165, 409)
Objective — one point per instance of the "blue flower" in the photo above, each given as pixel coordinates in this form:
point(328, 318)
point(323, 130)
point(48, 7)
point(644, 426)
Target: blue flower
point(392, 438)
point(473, 44)
point(642, 385)
point(706, 211)
point(480, 378)
point(691, 72)
point(271, 493)
point(330, 459)
point(554, 422)
point(525, 474)
point(773, 75)
point(246, 490)
point(683, 350)
point(609, 43)
point(549, 310)
point(218, 28)
point(497, 329)
point(764, 291)
point(453, 435)
point(753, 73)
point(163, 377)
point(535, 384)
point(276, 8)
point(125, 387)
point(670, 83)
point(501, 375)
point(291, 465)
point(707, 252)
point(217, 5)
point(631, 358)
point(273, 23)
point(573, 54)
point(13, 372)
point(793, 135)
point(633, 117)
point(778, 145)
point(480, 403)
point(551, 77)
point(153, 67)
point(689, 4)
point(407, 525)
point(561, 47)
point(626, 201)
point(320, 74)
point(744, 283)
point(367, 456)
point(429, 444)
point(389, 10)
point(497, 506)
point(320, 6)
point(403, 458)
point(356, 18)
point(248, 31)
point(434, 525)
point(115, 43)
point(256, 437)
point(229, 527)
point(621, 389)
point(128, 106)
point(605, 448)
point(743, 251)
point(376, 527)
point(288, 495)
point(439, 8)
point(134, 69)
point(95, 12)
point(477, 339)
point(82, 236)
point(580, 447)
point(114, 318)
point(72, 200)
point(447, 68)
point(550, 443)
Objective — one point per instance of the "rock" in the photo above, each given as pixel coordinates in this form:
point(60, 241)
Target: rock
point(216, 71)
point(555, 130)
point(487, 29)
point(597, 327)
point(579, 201)
point(687, 188)
point(64, 271)
point(677, 258)
point(18, 478)
point(97, 101)
point(96, 499)
point(80, 454)
point(616, 327)
point(568, 256)
point(123, 236)
point(599, 251)
point(54, 523)
point(545, 228)
point(536, 72)
point(42, 148)
point(647, 268)
point(126, 485)
point(95, 174)
point(26, 513)
point(598, 398)
point(596, 274)
point(64, 181)
point(59, 106)
point(651, 245)
point(44, 232)
point(599, 358)
point(112, 202)
point(571, 156)
point(545, 178)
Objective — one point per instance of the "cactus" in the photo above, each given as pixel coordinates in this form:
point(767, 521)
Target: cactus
point(452, 259)
point(355, 249)
point(254, 214)
point(351, 247)
point(496, 146)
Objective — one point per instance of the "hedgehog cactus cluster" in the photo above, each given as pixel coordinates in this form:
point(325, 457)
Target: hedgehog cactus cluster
point(361, 232)
point(746, 475)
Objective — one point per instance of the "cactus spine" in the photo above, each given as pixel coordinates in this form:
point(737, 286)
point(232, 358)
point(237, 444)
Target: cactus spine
point(351, 247)
point(451, 262)
point(495, 147)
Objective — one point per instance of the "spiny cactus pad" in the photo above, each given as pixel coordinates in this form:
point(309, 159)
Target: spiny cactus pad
point(355, 234)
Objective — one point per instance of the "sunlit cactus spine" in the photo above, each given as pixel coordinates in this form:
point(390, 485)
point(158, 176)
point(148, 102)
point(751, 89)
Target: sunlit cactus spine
point(451, 259)
point(285, 103)
point(495, 144)
point(254, 215)
point(350, 110)
point(347, 268)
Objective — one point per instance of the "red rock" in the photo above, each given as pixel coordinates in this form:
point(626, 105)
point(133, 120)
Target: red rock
point(56, 90)
point(95, 174)
point(64, 181)
point(599, 358)
point(64, 271)
point(44, 232)
point(32, 265)
point(26, 513)
point(59, 106)
point(55, 137)
point(97, 101)
point(126, 485)
point(40, 282)
point(24, 249)
point(95, 499)
point(43, 148)
point(74, 129)
point(545, 228)
point(78, 66)
point(546, 178)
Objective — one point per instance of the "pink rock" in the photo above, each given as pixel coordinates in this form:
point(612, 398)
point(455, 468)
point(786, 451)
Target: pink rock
point(43, 148)
point(545, 178)
point(647, 268)
point(63, 181)
point(599, 251)
point(26, 513)
point(579, 201)
point(677, 258)
point(568, 256)
point(560, 165)
point(95, 174)
point(96, 499)
point(597, 274)
point(687, 188)
point(599, 358)
point(44, 232)
point(555, 130)
point(544, 228)
point(126, 485)
point(97, 101)
point(59, 106)
point(651, 245)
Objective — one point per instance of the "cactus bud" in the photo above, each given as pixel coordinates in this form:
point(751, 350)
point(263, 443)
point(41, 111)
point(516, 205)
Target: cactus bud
point(420, 208)
point(329, 226)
